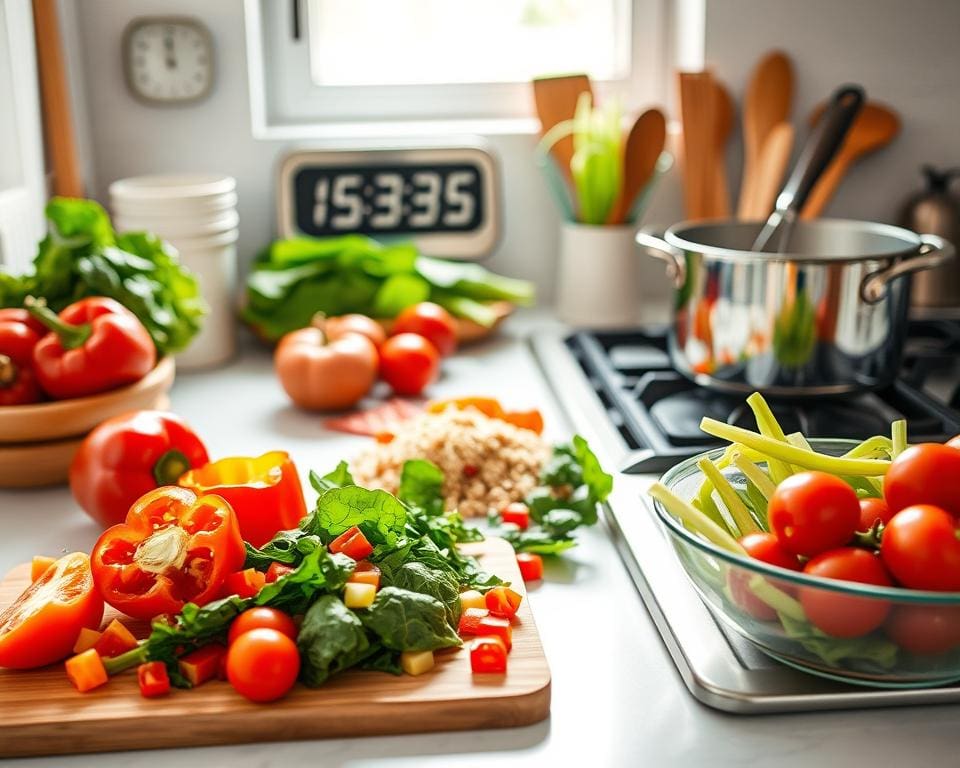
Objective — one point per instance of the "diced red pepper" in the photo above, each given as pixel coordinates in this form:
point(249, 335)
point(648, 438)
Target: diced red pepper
point(366, 573)
point(531, 566)
point(154, 680)
point(517, 513)
point(488, 655)
point(352, 543)
point(86, 670)
point(202, 664)
point(276, 570)
point(497, 626)
point(245, 583)
point(503, 601)
point(114, 640)
point(470, 620)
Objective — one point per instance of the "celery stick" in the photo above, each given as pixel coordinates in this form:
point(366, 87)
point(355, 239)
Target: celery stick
point(710, 509)
point(735, 506)
point(797, 439)
point(784, 452)
point(695, 519)
point(755, 475)
point(777, 599)
point(878, 445)
point(898, 438)
point(769, 427)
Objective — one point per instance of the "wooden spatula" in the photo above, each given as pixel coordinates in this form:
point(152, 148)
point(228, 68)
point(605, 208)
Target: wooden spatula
point(875, 127)
point(697, 96)
point(770, 168)
point(643, 148)
point(766, 103)
point(556, 101)
point(723, 113)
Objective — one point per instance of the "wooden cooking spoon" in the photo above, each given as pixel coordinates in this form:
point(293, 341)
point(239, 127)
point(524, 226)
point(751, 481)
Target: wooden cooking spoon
point(766, 103)
point(875, 127)
point(771, 166)
point(556, 101)
point(723, 111)
point(643, 148)
point(697, 96)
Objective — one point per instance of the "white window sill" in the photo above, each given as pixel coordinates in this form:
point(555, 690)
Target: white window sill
point(521, 126)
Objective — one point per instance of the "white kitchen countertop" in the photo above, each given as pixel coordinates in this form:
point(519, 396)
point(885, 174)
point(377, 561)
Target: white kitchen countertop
point(617, 699)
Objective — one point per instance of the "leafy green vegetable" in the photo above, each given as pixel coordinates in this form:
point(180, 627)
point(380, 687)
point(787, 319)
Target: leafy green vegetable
point(338, 478)
point(82, 256)
point(409, 621)
point(421, 485)
point(440, 584)
point(834, 650)
point(383, 660)
point(331, 639)
point(292, 280)
point(318, 572)
point(341, 508)
point(287, 547)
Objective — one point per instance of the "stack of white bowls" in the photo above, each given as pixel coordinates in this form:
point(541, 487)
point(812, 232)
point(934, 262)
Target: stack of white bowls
point(197, 214)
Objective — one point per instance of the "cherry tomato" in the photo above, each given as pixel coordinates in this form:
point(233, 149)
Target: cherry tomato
point(812, 512)
point(432, 322)
point(925, 629)
point(768, 549)
point(921, 549)
point(263, 664)
point(256, 618)
point(872, 510)
point(928, 473)
point(42, 624)
point(842, 615)
point(409, 363)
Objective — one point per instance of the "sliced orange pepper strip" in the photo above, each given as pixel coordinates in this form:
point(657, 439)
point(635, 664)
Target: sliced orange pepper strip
point(532, 420)
point(488, 406)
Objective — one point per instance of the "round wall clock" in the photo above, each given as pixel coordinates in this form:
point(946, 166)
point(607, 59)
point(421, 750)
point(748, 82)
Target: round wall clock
point(168, 59)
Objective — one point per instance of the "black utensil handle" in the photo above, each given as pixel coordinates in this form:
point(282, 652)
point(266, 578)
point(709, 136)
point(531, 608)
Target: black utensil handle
point(827, 136)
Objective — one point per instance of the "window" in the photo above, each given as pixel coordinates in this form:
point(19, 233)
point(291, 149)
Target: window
point(346, 68)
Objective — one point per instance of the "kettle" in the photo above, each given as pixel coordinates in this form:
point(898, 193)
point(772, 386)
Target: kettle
point(937, 211)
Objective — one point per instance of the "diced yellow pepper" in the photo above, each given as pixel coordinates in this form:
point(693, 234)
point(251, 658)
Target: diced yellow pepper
point(416, 662)
point(471, 599)
point(357, 595)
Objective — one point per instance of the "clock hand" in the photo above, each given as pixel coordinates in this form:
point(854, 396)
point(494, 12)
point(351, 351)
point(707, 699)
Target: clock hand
point(171, 60)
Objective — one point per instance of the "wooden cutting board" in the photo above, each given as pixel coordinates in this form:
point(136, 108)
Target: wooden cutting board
point(42, 714)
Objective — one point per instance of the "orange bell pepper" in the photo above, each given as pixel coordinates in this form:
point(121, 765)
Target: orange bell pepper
point(265, 492)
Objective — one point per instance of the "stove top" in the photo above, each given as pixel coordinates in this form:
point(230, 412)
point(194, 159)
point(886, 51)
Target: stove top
point(619, 391)
point(657, 410)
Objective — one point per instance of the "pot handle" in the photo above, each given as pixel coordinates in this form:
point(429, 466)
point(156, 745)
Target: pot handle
point(933, 252)
point(661, 249)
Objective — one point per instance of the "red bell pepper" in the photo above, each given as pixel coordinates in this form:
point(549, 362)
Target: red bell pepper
point(19, 334)
point(531, 566)
point(503, 601)
point(153, 679)
point(94, 345)
point(174, 548)
point(114, 640)
point(265, 492)
point(246, 583)
point(276, 570)
point(470, 621)
point(128, 456)
point(353, 544)
point(517, 513)
point(203, 664)
point(488, 655)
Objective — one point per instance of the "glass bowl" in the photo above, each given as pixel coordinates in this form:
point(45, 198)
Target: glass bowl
point(916, 645)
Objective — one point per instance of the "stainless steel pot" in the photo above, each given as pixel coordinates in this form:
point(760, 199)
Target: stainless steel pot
point(828, 318)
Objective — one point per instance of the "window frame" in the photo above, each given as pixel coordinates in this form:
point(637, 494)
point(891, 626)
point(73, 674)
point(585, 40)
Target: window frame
point(286, 103)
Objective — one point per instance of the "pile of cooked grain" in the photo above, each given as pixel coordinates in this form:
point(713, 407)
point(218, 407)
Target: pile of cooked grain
point(487, 463)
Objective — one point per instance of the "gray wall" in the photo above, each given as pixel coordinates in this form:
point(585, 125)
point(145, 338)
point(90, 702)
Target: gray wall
point(905, 53)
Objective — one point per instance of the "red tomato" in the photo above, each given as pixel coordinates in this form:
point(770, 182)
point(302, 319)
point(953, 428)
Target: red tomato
point(843, 615)
point(129, 455)
point(921, 549)
point(517, 513)
point(409, 363)
point(335, 327)
point(432, 322)
point(531, 566)
point(255, 618)
point(925, 629)
point(928, 473)
point(812, 512)
point(872, 510)
point(502, 601)
point(488, 655)
point(263, 664)
point(766, 548)
point(42, 624)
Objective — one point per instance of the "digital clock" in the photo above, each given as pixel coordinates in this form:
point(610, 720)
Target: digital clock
point(444, 198)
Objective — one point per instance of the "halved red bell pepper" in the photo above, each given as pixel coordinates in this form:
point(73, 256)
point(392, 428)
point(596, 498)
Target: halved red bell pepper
point(174, 548)
point(19, 334)
point(265, 492)
point(352, 543)
point(153, 679)
point(129, 455)
point(94, 345)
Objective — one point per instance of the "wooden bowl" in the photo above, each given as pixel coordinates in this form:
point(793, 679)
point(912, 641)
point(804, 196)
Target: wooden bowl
point(64, 419)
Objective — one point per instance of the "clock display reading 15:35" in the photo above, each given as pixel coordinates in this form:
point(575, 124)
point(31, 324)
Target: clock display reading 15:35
point(388, 199)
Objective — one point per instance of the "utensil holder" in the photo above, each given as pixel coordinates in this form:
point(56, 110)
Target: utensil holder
point(598, 276)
